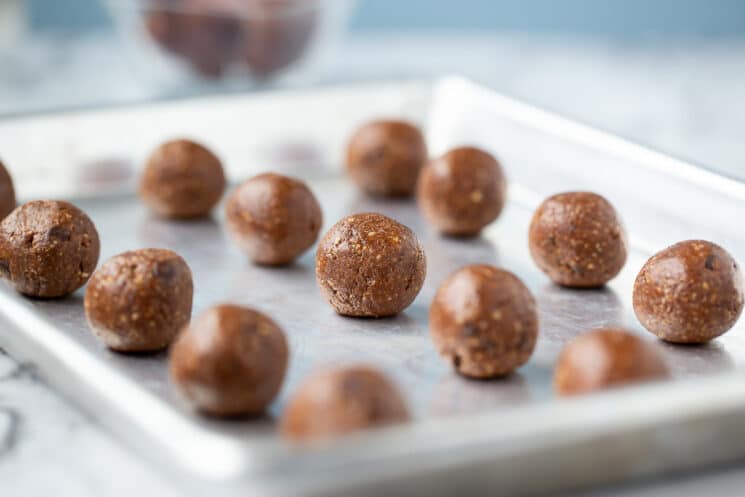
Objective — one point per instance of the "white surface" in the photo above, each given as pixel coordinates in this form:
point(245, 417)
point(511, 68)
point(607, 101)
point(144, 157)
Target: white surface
point(688, 99)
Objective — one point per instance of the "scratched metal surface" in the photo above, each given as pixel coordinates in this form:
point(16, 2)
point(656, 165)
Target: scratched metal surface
point(132, 395)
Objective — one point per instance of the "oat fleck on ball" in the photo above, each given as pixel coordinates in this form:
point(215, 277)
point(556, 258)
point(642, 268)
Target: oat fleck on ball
point(340, 401)
point(7, 193)
point(484, 321)
point(606, 358)
point(368, 265)
point(138, 301)
point(691, 292)
point(182, 179)
point(462, 192)
point(578, 240)
point(384, 157)
point(48, 248)
point(231, 361)
point(274, 218)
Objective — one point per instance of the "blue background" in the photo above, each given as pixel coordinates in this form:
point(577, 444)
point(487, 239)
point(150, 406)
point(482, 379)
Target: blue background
point(624, 18)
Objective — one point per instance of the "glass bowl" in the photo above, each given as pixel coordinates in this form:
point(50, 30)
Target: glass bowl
point(185, 43)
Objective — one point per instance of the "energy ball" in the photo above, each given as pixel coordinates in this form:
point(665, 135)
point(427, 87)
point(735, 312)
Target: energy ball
point(182, 179)
point(340, 401)
point(7, 193)
point(484, 321)
point(578, 240)
point(384, 157)
point(606, 358)
point(138, 301)
point(48, 248)
point(273, 218)
point(691, 292)
point(280, 35)
point(230, 361)
point(368, 265)
point(204, 33)
point(462, 192)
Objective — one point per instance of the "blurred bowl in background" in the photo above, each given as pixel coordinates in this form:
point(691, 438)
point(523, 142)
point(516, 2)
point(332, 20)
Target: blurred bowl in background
point(182, 44)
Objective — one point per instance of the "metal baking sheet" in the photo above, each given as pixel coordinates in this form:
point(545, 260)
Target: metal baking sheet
point(511, 436)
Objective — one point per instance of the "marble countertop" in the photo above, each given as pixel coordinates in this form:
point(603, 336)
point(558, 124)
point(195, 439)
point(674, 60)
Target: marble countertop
point(686, 98)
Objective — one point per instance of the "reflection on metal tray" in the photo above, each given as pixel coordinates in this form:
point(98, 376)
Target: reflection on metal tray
point(467, 434)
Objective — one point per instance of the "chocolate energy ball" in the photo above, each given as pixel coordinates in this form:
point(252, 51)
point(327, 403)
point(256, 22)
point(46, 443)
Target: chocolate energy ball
point(385, 157)
point(266, 36)
point(182, 179)
point(369, 265)
point(336, 402)
point(484, 321)
point(230, 361)
point(691, 292)
point(48, 248)
point(138, 301)
point(578, 240)
point(273, 218)
point(7, 193)
point(462, 191)
point(278, 34)
point(204, 33)
point(606, 358)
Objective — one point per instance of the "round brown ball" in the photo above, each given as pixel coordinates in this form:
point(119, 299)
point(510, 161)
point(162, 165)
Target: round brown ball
point(204, 33)
point(280, 35)
point(340, 401)
point(578, 240)
point(606, 358)
point(273, 218)
point(230, 361)
point(182, 179)
point(138, 301)
point(484, 321)
point(384, 157)
point(462, 192)
point(691, 292)
point(7, 193)
point(48, 248)
point(368, 265)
